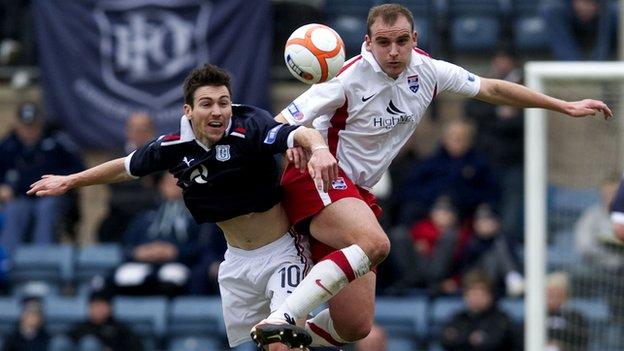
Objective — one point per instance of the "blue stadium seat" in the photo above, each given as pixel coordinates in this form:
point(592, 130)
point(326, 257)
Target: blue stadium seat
point(9, 314)
point(401, 344)
point(192, 315)
point(514, 308)
point(562, 253)
point(596, 310)
point(48, 263)
point(356, 8)
point(402, 317)
point(475, 25)
point(98, 259)
point(352, 30)
point(192, 343)
point(565, 205)
point(442, 310)
point(146, 315)
point(528, 26)
point(474, 33)
point(63, 312)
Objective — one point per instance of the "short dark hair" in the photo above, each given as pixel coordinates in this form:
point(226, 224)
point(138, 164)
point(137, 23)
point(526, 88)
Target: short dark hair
point(205, 75)
point(477, 277)
point(389, 14)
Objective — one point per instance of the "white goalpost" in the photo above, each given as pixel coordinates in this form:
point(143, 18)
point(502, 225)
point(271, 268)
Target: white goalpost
point(565, 160)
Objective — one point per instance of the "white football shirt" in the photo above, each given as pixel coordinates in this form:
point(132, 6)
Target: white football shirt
point(366, 116)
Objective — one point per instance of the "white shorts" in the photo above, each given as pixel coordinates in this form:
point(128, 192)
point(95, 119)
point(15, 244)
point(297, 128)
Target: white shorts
point(255, 282)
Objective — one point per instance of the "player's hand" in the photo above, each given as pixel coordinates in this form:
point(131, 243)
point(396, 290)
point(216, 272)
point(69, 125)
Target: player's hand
point(299, 157)
point(588, 107)
point(50, 185)
point(323, 167)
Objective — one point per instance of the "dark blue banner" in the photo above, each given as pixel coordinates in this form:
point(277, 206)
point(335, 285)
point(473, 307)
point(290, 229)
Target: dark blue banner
point(102, 60)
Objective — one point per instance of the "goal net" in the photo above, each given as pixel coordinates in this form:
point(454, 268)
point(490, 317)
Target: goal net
point(571, 166)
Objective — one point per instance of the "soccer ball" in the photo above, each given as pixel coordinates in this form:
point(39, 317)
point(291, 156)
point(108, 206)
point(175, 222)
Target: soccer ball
point(314, 53)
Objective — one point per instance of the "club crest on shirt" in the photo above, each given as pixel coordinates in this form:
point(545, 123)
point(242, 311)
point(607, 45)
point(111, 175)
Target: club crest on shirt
point(339, 183)
point(413, 83)
point(222, 152)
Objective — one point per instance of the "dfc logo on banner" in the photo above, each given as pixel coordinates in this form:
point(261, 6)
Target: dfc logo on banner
point(147, 47)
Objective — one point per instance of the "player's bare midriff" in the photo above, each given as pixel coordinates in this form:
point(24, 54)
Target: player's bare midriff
point(256, 229)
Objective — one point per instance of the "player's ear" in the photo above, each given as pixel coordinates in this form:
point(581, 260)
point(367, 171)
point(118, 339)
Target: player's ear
point(368, 41)
point(187, 110)
point(415, 37)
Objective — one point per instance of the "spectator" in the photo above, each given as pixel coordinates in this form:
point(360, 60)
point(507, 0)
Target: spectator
point(481, 326)
point(594, 235)
point(130, 198)
point(488, 249)
point(27, 153)
point(160, 245)
point(456, 170)
point(581, 30)
point(29, 334)
point(436, 246)
point(567, 328)
point(375, 341)
point(501, 136)
point(101, 331)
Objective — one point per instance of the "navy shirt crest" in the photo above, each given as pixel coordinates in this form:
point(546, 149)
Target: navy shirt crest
point(236, 176)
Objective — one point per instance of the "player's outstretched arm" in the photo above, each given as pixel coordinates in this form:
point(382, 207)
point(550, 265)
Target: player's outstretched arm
point(52, 185)
point(500, 92)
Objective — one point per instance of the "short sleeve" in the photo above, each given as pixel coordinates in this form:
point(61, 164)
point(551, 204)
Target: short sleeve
point(456, 79)
point(147, 159)
point(270, 136)
point(320, 99)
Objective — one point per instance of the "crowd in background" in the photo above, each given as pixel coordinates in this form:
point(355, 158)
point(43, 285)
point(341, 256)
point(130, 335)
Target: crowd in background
point(454, 217)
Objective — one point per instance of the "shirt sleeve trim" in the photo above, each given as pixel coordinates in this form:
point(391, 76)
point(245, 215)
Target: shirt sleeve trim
point(290, 141)
point(127, 164)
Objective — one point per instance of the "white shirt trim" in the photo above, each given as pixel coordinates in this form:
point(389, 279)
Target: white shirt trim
point(127, 164)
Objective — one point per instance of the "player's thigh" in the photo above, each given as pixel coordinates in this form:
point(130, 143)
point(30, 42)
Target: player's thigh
point(353, 309)
point(350, 221)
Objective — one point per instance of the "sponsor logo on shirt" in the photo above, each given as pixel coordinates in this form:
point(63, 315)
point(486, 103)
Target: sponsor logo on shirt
point(222, 152)
point(339, 183)
point(413, 83)
point(294, 111)
point(200, 175)
point(471, 77)
point(272, 135)
point(397, 117)
point(364, 99)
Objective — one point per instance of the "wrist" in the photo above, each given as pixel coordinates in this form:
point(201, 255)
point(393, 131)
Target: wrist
point(319, 147)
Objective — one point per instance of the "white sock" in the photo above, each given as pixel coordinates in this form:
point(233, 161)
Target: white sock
point(321, 328)
point(324, 280)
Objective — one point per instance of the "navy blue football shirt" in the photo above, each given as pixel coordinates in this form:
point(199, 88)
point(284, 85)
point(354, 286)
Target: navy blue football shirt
point(237, 175)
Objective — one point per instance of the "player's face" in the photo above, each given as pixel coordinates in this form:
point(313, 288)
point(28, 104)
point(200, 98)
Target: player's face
point(391, 45)
point(211, 113)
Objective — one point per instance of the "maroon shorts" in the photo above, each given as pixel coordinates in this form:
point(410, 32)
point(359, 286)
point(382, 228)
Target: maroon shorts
point(302, 201)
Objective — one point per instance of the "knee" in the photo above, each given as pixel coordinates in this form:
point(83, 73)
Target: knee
point(356, 330)
point(378, 248)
